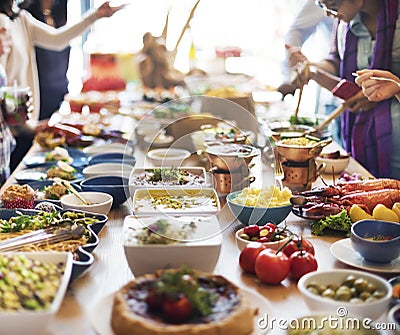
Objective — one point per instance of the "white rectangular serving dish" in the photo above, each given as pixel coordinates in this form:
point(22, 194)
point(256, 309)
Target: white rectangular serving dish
point(206, 240)
point(174, 201)
point(138, 180)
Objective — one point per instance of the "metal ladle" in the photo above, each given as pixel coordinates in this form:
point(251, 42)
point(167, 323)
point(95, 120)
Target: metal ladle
point(70, 188)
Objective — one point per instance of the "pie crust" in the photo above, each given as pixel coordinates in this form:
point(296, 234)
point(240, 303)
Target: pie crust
point(236, 319)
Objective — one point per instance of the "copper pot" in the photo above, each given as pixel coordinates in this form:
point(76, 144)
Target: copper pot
point(296, 153)
point(230, 157)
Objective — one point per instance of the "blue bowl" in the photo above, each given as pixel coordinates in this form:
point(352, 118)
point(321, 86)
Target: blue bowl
point(378, 251)
point(257, 215)
point(112, 157)
point(117, 187)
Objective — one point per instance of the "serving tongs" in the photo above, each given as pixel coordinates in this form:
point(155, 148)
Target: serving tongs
point(43, 236)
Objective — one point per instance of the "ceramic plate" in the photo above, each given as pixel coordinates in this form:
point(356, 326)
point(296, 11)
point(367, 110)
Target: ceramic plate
point(344, 252)
point(39, 159)
point(100, 315)
point(28, 175)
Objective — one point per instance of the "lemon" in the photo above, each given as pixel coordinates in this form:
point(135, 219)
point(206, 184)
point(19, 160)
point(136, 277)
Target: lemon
point(357, 214)
point(396, 209)
point(381, 212)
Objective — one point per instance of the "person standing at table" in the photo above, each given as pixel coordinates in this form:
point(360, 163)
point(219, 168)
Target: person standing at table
point(308, 20)
point(52, 65)
point(20, 62)
point(368, 36)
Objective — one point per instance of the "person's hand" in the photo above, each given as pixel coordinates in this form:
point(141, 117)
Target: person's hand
point(301, 75)
point(378, 90)
point(5, 42)
point(286, 89)
point(105, 10)
point(359, 103)
point(295, 56)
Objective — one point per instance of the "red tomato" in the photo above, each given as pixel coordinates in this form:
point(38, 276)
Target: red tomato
point(177, 310)
point(272, 268)
point(248, 255)
point(298, 244)
point(251, 230)
point(302, 262)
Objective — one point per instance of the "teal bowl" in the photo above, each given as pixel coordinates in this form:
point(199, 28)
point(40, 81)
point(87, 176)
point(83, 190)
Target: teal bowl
point(249, 215)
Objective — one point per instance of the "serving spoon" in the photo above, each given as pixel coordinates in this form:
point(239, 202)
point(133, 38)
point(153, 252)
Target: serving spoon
point(70, 188)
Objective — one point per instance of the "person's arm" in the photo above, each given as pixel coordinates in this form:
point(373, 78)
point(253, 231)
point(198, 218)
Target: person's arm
point(57, 39)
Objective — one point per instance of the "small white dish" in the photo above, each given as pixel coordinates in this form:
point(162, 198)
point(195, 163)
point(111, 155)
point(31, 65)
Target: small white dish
point(338, 165)
point(100, 315)
point(100, 202)
point(168, 157)
point(343, 251)
point(392, 319)
point(107, 169)
point(106, 148)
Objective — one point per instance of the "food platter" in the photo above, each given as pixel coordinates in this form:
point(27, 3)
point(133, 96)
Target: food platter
point(100, 315)
point(344, 252)
point(38, 174)
point(39, 159)
point(83, 258)
point(159, 177)
point(175, 201)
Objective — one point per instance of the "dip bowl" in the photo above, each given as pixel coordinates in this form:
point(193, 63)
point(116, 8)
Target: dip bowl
point(376, 241)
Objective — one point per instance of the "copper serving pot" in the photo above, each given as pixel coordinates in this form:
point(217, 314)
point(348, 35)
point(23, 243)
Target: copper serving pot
point(230, 157)
point(297, 153)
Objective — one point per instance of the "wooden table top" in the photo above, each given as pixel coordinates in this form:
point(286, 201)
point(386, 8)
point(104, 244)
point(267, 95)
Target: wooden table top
point(110, 270)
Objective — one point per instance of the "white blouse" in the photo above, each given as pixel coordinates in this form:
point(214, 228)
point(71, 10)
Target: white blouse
point(26, 33)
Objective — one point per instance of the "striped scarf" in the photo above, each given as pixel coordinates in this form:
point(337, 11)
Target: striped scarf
point(368, 135)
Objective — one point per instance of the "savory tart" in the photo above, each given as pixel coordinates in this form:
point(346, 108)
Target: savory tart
point(181, 302)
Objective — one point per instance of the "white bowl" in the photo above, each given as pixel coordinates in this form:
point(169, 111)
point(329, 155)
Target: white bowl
point(318, 303)
point(242, 243)
point(338, 164)
point(36, 322)
point(168, 157)
point(100, 202)
point(108, 148)
point(199, 251)
point(107, 169)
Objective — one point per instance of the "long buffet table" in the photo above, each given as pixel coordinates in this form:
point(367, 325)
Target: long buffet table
point(110, 270)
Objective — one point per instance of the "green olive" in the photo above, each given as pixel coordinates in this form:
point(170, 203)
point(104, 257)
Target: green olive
point(371, 288)
point(360, 284)
point(313, 290)
point(371, 299)
point(378, 294)
point(318, 287)
point(333, 287)
point(244, 237)
point(353, 292)
point(349, 280)
point(343, 295)
point(328, 293)
point(364, 295)
point(356, 300)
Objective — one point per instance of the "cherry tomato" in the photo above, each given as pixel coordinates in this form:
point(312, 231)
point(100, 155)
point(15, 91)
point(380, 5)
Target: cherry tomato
point(248, 255)
point(251, 230)
point(302, 262)
point(298, 244)
point(155, 301)
point(177, 310)
point(272, 268)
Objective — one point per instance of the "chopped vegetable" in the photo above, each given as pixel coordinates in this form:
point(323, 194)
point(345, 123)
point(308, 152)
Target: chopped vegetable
point(340, 221)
